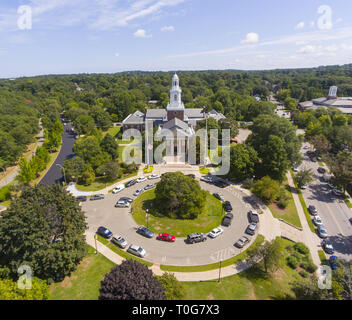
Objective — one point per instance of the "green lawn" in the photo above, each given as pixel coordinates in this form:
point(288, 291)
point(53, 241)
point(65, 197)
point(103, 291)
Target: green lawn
point(208, 220)
point(6, 203)
point(112, 131)
point(148, 169)
point(204, 170)
point(84, 283)
point(251, 284)
point(348, 202)
point(212, 266)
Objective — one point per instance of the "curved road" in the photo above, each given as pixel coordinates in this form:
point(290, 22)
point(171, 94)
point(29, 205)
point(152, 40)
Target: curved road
point(54, 175)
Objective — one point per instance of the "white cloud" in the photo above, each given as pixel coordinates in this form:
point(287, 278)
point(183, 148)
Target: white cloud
point(251, 37)
point(141, 33)
point(299, 26)
point(339, 20)
point(167, 28)
point(117, 54)
point(307, 49)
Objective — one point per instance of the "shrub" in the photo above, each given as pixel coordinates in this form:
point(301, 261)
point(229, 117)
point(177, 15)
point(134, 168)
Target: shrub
point(301, 248)
point(174, 289)
point(292, 262)
point(283, 199)
point(5, 194)
point(308, 265)
point(267, 189)
point(248, 184)
point(303, 274)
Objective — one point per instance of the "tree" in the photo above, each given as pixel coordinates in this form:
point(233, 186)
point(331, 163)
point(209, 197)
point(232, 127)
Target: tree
point(44, 229)
point(84, 124)
point(111, 171)
point(308, 289)
point(267, 189)
point(269, 253)
point(27, 172)
point(243, 159)
point(321, 144)
point(9, 290)
point(109, 145)
point(131, 280)
point(74, 168)
point(174, 289)
point(179, 196)
point(87, 177)
point(304, 177)
point(341, 167)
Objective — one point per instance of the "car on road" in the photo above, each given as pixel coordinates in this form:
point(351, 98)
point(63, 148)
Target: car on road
point(219, 196)
point(145, 232)
point(304, 187)
point(227, 206)
point(206, 179)
point(137, 251)
point(166, 237)
point(322, 233)
point(333, 262)
point(153, 177)
point(196, 237)
point(314, 159)
point(306, 147)
point(141, 179)
point(130, 183)
point(138, 192)
point(294, 169)
point(191, 175)
point(149, 186)
point(337, 192)
point(122, 204)
point(81, 198)
point(312, 210)
point(251, 229)
point(327, 247)
point(127, 199)
point(331, 186)
point(321, 170)
point(317, 221)
point(215, 233)
point(118, 189)
point(220, 184)
point(227, 220)
point(97, 197)
point(243, 241)
point(104, 232)
point(119, 241)
point(253, 216)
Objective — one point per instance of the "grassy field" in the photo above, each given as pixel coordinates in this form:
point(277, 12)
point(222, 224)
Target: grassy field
point(251, 284)
point(208, 220)
point(112, 131)
point(84, 283)
point(212, 266)
point(204, 170)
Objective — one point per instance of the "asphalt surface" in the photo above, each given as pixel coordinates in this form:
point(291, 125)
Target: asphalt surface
point(55, 174)
point(332, 210)
point(120, 222)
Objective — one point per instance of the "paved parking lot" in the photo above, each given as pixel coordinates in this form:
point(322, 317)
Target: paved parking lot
point(121, 222)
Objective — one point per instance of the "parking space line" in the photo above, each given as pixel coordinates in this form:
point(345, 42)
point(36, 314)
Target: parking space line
point(334, 218)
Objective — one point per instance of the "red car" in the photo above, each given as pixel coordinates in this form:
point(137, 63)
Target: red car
point(166, 237)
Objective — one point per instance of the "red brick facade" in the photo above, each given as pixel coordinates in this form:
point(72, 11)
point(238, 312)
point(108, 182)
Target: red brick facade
point(175, 114)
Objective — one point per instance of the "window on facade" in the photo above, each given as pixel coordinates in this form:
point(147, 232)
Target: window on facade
point(175, 97)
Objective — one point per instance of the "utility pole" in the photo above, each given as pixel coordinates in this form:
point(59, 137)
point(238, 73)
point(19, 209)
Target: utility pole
point(219, 271)
point(147, 215)
point(96, 246)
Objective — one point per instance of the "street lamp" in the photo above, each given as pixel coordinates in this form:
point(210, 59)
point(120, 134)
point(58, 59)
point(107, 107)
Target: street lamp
point(219, 271)
point(147, 216)
point(96, 246)
point(63, 169)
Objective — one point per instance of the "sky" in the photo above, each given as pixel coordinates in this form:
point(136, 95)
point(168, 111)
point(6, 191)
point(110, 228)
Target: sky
point(107, 36)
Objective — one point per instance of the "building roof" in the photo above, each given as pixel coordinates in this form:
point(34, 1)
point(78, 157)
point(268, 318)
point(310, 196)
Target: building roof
point(156, 114)
point(177, 126)
point(216, 115)
point(194, 113)
point(136, 118)
point(338, 102)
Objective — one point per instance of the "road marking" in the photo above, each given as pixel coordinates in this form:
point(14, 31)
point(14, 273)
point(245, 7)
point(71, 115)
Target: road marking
point(333, 216)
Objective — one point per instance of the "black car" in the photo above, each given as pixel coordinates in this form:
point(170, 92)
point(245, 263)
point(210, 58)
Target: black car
point(227, 220)
point(321, 170)
point(104, 232)
point(196, 237)
point(145, 232)
point(130, 183)
point(227, 206)
point(97, 197)
point(251, 229)
point(81, 198)
point(253, 216)
point(312, 210)
point(127, 199)
point(328, 247)
point(191, 175)
point(220, 184)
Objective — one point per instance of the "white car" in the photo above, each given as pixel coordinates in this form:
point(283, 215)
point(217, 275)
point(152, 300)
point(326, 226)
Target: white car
point(153, 177)
point(122, 204)
point(215, 232)
point(141, 179)
point(137, 251)
point(317, 221)
point(118, 189)
point(295, 169)
point(119, 241)
point(138, 192)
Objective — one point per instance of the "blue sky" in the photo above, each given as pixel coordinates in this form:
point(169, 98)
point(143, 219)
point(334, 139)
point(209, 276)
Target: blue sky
point(91, 36)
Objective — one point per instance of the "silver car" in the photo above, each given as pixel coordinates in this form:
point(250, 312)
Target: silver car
point(322, 232)
point(119, 241)
point(138, 192)
point(137, 251)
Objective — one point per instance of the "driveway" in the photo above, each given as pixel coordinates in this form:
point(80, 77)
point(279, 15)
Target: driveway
point(121, 222)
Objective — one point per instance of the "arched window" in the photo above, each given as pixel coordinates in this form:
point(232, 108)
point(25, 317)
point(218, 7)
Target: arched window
point(175, 97)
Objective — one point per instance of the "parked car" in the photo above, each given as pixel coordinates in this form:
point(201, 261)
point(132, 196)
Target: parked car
point(322, 232)
point(227, 220)
point(331, 186)
point(118, 189)
point(219, 196)
point(206, 179)
point(138, 192)
point(153, 177)
point(127, 199)
point(166, 237)
point(141, 179)
point(137, 251)
point(149, 186)
point(227, 206)
point(215, 233)
point(253, 216)
point(314, 159)
point(251, 229)
point(321, 170)
point(104, 232)
point(145, 232)
point(196, 237)
point(294, 169)
point(97, 197)
point(220, 184)
point(337, 192)
point(81, 198)
point(328, 247)
point(122, 204)
point(130, 183)
point(333, 262)
point(304, 187)
point(312, 210)
point(119, 241)
point(243, 241)
point(191, 175)
point(317, 221)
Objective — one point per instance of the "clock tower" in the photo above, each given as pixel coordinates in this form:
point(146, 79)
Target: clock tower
point(175, 108)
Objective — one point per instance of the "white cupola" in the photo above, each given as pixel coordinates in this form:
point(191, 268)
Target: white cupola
point(175, 95)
